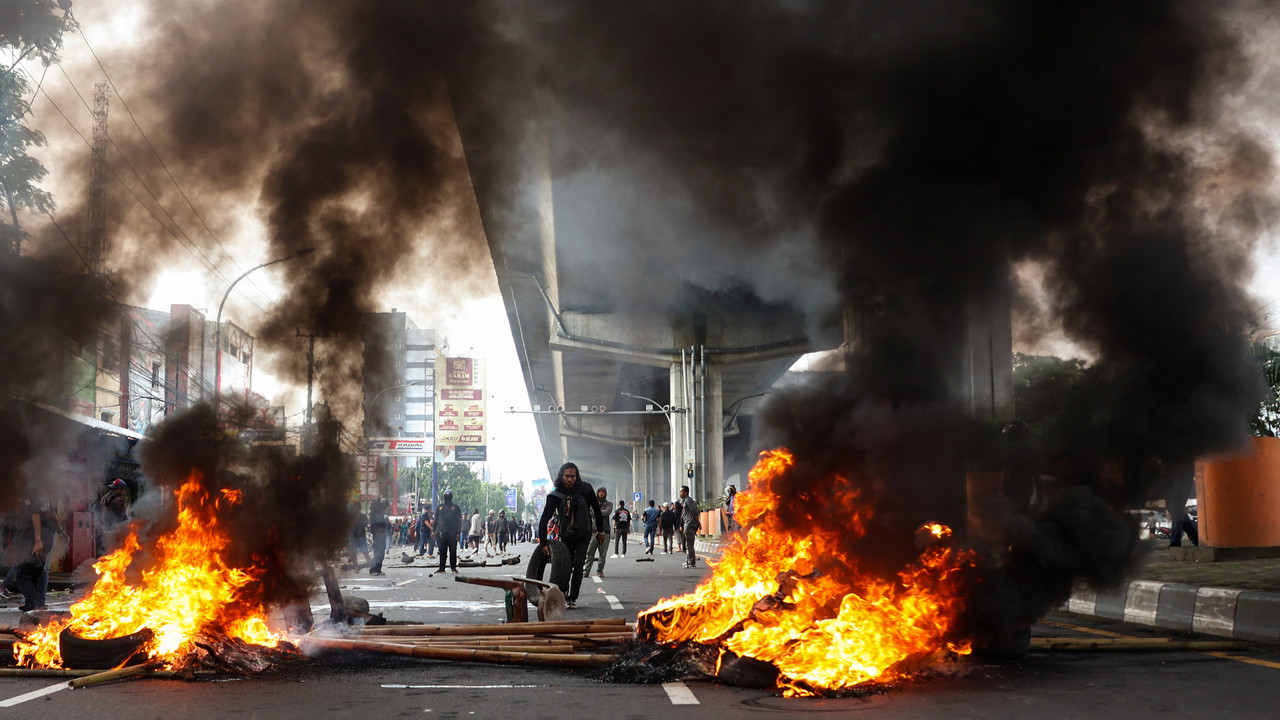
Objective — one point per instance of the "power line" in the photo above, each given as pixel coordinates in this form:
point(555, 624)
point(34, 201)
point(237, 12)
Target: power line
point(147, 140)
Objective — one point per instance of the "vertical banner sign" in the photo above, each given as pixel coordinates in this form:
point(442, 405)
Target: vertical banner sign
point(511, 498)
point(541, 487)
point(461, 428)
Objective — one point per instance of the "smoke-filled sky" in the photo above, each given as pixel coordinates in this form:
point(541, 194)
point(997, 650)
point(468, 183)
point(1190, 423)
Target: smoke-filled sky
point(819, 155)
point(889, 159)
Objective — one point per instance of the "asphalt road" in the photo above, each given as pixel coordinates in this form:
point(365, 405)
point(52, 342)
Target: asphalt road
point(1244, 684)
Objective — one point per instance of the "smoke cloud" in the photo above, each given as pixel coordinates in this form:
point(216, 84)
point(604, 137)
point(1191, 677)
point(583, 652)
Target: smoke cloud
point(885, 161)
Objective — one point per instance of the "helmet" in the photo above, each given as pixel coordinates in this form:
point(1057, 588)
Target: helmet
point(117, 484)
point(448, 495)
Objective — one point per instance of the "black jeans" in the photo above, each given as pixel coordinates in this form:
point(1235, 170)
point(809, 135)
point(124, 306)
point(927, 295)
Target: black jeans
point(379, 551)
point(577, 551)
point(28, 580)
point(447, 546)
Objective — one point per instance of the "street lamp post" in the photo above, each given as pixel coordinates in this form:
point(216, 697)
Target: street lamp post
point(217, 334)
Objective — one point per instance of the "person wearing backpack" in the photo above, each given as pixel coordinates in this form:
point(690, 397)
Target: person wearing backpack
point(621, 527)
point(574, 503)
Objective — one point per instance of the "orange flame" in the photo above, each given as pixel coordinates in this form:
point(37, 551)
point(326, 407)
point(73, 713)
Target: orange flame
point(791, 597)
point(191, 589)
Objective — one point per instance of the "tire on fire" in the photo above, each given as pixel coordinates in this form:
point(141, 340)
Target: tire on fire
point(85, 653)
point(561, 563)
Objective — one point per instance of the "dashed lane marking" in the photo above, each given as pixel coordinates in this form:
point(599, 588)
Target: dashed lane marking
point(613, 602)
point(597, 579)
point(19, 699)
point(679, 694)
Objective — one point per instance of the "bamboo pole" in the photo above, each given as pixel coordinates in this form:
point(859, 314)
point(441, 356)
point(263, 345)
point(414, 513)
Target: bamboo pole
point(448, 653)
point(69, 673)
point(1131, 644)
point(115, 674)
point(538, 628)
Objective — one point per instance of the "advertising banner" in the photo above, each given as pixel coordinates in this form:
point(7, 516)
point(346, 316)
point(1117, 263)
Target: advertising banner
point(400, 447)
point(511, 498)
point(461, 423)
point(541, 487)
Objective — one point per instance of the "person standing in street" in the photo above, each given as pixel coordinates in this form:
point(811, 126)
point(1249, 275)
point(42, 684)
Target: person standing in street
point(730, 505)
point(490, 534)
point(477, 530)
point(36, 527)
point(504, 528)
point(448, 526)
point(690, 523)
point(598, 547)
point(426, 532)
point(574, 502)
point(668, 524)
point(380, 527)
point(650, 519)
point(621, 528)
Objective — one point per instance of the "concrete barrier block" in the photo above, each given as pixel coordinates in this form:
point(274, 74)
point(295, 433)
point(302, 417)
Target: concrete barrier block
point(1141, 600)
point(1111, 602)
point(1084, 601)
point(1258, 616)
point(1177, 606)
point(1215, 611)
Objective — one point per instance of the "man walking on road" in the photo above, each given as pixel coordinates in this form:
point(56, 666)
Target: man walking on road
point(668, 524)
point(448, 525)
point(579, 510)
point(650, 520)
point(597, 549)
point(690, 523)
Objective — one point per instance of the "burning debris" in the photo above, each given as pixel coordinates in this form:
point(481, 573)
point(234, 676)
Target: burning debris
point(794, 598)
point(191, 603)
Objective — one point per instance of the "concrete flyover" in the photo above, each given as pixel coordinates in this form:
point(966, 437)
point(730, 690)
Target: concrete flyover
point(646, 381)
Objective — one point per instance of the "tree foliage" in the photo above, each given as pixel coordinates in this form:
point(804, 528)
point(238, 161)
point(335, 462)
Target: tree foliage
point(29, 30)
point(1266, 422)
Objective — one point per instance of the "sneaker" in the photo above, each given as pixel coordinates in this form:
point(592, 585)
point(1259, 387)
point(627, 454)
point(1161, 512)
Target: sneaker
point(571, 605)
point(29, 607)
point(614, 555)
point(600, 574)
point(454, 571)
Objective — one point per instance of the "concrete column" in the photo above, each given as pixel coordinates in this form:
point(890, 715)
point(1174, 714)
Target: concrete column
point(712, 428)
point(677, 423)
point(639, 473)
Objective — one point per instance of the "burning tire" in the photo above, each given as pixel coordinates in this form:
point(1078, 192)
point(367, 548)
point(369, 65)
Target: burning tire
point(85, 654)
point(561, 562)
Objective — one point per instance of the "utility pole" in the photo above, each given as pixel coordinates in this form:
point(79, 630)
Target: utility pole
point(95, 237)
point(311, 374)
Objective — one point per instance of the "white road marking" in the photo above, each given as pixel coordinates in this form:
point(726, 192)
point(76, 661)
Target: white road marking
point(679, 694)
point(456, 687)
point(34, 694)
point(410, 581)
point(613, 602)
point(597, 579)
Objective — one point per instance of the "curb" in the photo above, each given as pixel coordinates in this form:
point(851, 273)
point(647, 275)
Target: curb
point(1251, 615)
point(1223, 612)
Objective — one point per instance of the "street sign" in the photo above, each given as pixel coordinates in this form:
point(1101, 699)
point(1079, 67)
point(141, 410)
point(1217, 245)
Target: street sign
point(636, 496)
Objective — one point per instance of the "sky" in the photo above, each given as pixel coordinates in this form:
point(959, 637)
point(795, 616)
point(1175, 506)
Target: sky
point(231, 227)
point(231, 236)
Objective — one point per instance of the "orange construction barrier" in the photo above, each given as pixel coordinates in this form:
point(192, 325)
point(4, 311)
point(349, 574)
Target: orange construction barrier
point(1238, 497)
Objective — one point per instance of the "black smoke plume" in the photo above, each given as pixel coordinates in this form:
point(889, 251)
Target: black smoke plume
point(885, 162)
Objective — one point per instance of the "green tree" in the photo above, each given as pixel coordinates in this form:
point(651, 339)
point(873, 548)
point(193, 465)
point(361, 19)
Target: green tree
point(1266, 422)
point(29, 29)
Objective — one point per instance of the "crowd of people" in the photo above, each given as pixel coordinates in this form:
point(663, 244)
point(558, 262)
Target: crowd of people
point(431, 534)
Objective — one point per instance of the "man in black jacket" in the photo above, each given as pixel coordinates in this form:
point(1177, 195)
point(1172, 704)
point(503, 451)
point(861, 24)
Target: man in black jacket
point(448, 525)
point(569, 486)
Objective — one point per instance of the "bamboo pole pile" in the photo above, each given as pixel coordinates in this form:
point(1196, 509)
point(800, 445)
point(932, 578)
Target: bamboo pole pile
point(581, 643)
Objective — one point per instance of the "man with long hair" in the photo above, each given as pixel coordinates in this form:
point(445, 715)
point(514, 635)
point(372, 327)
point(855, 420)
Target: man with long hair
point(572, 499)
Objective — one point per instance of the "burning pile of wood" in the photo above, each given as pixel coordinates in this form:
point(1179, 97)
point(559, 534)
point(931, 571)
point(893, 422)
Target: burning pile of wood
point(569, 643)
